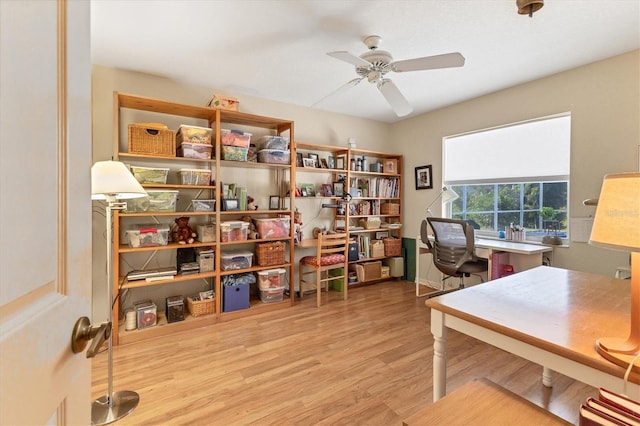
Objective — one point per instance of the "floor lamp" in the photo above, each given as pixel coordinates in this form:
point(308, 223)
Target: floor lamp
point(112, 181)
point(617, 225)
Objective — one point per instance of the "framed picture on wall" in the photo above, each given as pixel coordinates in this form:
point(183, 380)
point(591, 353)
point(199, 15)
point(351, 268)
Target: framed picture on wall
point(424, 178)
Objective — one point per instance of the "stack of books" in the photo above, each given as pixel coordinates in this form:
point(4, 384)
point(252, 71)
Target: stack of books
point(610, 408)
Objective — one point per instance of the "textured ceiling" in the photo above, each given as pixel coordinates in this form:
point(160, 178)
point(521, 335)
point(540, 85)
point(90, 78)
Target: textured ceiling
point(276, 49)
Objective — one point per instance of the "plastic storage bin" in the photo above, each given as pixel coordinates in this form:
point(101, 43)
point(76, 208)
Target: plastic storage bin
point(236, 138)
point(195, 150)
point(195, 176)
point(271, 278)
point(234, 230)
point(274, 142)
point(277, 227)
point(203, 205)
point(232, 261)
point(193, 134)
point(157, 201)
point(270, 295)
point(207, 233)
point(233, 153)
point(150, 174)
point(206, 259)
point(148, 235)
point(274, 156)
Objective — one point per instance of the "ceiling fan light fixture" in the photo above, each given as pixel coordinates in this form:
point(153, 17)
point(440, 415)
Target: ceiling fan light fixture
point(529, 7)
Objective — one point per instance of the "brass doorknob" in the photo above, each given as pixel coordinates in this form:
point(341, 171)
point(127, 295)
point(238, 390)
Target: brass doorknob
point(83, 332)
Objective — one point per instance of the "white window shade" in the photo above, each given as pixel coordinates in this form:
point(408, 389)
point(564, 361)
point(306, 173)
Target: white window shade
point(532, 151)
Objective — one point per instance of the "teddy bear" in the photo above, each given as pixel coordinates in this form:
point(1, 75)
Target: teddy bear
point(250, 205)
point(182, 232)
point(252, 233)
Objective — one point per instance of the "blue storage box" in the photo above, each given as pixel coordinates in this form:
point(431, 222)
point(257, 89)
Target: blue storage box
point(235, 297)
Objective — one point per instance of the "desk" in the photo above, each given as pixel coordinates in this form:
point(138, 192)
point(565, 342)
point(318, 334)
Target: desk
point(482, 402)
point(546, 315)
point(522, 256)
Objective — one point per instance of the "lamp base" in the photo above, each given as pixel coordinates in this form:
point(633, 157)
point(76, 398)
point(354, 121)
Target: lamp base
point(619, 351)
point(124, 402)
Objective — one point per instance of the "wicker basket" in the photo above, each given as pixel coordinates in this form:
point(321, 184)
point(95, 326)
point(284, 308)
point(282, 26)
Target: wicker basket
point(269, 254)
point(390, 208)
point(201, 307)
point(152, 140)
point(392, 246)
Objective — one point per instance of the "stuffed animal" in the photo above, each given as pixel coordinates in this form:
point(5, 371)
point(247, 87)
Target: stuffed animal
point(252, 233)
point(250, 205)
point(182, 232)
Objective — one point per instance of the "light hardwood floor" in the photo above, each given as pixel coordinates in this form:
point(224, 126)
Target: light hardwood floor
point(363, 361)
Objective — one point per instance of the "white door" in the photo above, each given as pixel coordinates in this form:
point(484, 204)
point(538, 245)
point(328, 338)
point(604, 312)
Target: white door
point(45, 210)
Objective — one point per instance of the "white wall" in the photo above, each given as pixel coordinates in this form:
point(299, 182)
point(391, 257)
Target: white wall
point(604, 101)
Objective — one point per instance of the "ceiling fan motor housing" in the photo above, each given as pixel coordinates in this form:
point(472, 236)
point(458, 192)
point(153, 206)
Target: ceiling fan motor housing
point(380, 61)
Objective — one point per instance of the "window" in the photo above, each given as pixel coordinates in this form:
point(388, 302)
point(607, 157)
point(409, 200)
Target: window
point(512, 175)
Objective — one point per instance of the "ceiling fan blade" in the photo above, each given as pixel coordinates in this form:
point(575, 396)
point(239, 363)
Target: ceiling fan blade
point(348, 57)
point(340, 89)
point(448, 60)
point(392, 94)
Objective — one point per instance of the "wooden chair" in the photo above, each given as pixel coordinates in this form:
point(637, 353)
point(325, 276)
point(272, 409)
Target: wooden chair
point(331, 253)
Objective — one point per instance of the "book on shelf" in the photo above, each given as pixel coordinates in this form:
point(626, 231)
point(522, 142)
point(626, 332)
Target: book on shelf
point(609, 409)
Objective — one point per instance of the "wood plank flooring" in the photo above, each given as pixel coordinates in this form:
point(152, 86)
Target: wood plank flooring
point(363, 361)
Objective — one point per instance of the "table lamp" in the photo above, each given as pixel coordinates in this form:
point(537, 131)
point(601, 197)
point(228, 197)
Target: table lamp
point(616, 225)
point(111, 181)
point(447, 195)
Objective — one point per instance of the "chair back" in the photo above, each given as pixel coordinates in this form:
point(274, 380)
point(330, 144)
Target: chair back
point(453, 244)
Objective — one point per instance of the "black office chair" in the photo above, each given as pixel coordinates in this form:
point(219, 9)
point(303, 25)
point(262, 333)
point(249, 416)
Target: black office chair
point(453, 251)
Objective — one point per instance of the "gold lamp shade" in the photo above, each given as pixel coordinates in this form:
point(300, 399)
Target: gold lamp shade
point(528, 7)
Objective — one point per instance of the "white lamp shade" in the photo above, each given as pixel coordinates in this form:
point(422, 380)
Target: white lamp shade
point(617, 221)
point(449, 195)
point(112, 179)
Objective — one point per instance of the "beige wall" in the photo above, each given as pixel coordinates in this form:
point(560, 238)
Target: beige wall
point(603, 98)
point(604, 101)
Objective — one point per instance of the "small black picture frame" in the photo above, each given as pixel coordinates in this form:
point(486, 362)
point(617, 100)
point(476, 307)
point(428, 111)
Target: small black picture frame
point(338, 189)
point(274, 202)
point(230, 204)
point(299, 159)
point(424, 177)
point(340, 162)
point(315, 158)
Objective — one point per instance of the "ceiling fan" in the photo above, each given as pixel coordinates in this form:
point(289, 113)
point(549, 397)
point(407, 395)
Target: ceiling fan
point(375, 64)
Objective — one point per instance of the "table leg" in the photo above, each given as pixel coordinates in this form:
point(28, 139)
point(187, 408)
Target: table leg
point(439, 332)
point(547, 377)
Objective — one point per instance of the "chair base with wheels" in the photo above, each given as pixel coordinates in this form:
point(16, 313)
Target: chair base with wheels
point(331, 253)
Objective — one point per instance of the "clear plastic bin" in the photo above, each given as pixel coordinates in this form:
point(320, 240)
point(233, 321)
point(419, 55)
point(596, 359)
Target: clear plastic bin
point(150, 174)
point(203, 205)
point(195, 150)
point(148, 235)
point(232, 261)
point(272, 295)
point(233, 153)
point(274, 142)
point(274, 156)
point(157, 201)
point(236, 138)
point(271, 278)
point(277, 227)
point(193, 134)
point(195, 176)
point(234, 230)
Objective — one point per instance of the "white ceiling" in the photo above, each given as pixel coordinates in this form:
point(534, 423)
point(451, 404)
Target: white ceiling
point(276, 49)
